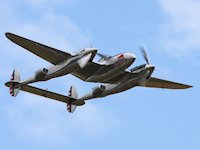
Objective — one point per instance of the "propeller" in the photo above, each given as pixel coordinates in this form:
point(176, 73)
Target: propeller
point(146, 58)
point(144, 54)
point(103, 56)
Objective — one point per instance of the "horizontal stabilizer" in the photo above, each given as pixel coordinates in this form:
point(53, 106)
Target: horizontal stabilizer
point(42, 92)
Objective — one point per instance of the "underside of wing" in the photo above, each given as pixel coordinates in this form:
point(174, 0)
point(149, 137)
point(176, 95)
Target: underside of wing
point(45, 93)
point(47, 53)
point(92, 68)
point(87, 71)
point(159, 83)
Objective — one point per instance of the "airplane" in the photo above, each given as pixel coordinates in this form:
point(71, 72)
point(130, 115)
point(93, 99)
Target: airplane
point(110, 71)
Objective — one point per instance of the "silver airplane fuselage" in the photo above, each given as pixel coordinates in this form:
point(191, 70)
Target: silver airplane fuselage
point(112, 67)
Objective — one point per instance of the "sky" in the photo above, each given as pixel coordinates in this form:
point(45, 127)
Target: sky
point(140, 118)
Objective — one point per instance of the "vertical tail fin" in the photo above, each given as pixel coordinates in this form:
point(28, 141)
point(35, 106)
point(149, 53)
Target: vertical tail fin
point(73, 94)
point(15, 79)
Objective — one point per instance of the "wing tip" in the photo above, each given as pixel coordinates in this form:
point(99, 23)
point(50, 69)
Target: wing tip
point(9, 35)
point(189, 86)
point(183, 86)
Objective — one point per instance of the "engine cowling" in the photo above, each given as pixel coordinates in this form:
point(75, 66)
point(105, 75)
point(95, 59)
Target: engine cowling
point(41, 73)
point(98, 90)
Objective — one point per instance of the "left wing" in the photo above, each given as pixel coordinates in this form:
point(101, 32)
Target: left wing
point(160, 83)
point(47, 53)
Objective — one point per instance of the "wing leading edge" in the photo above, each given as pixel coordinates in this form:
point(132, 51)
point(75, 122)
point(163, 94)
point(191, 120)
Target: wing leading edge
point(47, 53)
point(160, 83)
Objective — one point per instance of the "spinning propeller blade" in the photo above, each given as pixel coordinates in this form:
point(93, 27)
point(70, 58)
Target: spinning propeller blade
point(144, 54)
point(103, 56)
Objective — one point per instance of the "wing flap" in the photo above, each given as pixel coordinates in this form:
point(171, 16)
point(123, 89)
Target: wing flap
point(160, 83)
point(47, 53)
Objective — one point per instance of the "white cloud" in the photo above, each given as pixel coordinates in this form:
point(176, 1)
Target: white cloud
point(180, 34)
point(33, 119)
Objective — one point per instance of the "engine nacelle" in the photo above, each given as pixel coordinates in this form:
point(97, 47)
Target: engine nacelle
point(98, 90)
point(41, 73)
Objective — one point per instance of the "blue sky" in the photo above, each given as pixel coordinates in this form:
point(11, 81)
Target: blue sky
point(140, 118)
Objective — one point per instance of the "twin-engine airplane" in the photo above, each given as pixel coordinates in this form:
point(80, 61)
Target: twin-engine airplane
point(110, 71)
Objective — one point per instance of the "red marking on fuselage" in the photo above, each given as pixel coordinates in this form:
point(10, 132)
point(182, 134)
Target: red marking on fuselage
point(120, 56)
point(120, 60)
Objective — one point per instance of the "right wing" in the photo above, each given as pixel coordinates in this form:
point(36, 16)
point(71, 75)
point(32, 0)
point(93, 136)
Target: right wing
point(160, 83)
point(49, 54)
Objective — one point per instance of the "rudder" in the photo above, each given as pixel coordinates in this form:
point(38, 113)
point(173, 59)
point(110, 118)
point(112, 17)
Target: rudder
point(73, 94)
point(15, 80)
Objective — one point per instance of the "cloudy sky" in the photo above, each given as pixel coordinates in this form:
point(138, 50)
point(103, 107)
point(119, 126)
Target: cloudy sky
point(140, 118)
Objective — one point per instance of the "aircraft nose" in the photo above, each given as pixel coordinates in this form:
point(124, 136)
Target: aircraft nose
point(150, 67)
point(91, 50)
